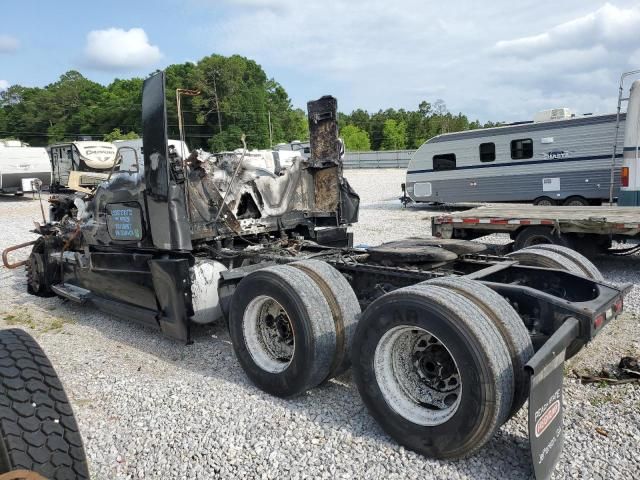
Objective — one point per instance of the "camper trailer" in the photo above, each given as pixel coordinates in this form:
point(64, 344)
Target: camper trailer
point(557, 159)
point(126, 149)
point(80, 165)
point(630, 175)
point(21, 165)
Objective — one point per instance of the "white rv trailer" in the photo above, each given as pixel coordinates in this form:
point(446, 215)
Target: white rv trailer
point(20, 164)
point(550, 162)
point(80, 165)
point(129, 158)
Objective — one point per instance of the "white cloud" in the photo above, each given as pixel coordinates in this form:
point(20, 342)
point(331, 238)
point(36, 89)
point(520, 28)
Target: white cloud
point(8, 44)
point(496, 60)
point(609, 26)
point(117, 49)
point(4, 84)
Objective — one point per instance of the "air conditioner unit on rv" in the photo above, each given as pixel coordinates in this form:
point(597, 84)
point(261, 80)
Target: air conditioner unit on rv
point(552, 114)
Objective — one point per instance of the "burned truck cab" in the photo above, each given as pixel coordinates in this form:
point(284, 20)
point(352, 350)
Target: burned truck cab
point(148, 242)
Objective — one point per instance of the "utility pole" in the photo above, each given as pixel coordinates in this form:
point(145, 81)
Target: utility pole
point(270, 132)
point(215, 91)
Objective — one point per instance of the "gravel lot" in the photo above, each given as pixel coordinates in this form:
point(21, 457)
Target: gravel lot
point(149, 407)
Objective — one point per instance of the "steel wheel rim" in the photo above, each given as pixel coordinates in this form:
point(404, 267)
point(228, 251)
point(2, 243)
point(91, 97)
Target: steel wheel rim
point(545, 203)
point(424, 394)
point(268, 334)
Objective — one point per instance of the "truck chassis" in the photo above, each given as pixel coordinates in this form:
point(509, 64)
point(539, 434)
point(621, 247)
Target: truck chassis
point(446, 341)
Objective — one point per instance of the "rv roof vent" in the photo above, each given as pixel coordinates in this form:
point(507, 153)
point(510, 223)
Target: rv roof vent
point(552, 114)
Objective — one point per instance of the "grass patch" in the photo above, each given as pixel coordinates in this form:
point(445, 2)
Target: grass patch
point(604, 399)
point(42, 322)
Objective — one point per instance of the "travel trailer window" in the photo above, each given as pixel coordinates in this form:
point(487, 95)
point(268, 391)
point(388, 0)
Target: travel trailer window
point(487, 152)
point(446, 161)
point(521, 148)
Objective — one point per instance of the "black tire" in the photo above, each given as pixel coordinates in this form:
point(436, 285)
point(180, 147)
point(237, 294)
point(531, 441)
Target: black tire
point(576, 201)
point(509, 324)
point(469, 337)
point(586, 266)
point(538, 257)
point(310, 334)
point(532, 236)
point(37, 426)
point(544, 201)
point(344, 305)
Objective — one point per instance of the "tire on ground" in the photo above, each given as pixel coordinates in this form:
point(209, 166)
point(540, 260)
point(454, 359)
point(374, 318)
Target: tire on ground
point(544, 201)
point(344, 305)
point(532, 236)
point(586, 266)
point(38, 431)
point(576, 201)
point(282, 330)
point(389, 370)
point(510, 325)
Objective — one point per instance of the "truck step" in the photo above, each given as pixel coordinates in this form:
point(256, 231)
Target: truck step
point(71, 292)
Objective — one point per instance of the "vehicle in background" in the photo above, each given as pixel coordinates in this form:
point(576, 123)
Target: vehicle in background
point(128, 161)
point(80, 166)
point(557, 159)
point(630, 174)
point(21, 165)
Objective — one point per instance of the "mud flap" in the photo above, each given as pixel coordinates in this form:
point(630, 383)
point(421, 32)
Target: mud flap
point(546, 369)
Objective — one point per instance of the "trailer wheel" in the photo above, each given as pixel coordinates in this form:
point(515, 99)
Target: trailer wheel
point(282, 330)
point(545, 201)
point(531, 236)
point(38, 430)
point(433, 370)
point(576, 201)
point(509, 324)
point(588, 269)
point(344, 306)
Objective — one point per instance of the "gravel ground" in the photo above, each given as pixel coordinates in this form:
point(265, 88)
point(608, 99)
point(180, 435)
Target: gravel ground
point(149, 407)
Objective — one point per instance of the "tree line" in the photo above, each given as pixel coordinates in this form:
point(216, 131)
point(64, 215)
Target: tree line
point(236, 97)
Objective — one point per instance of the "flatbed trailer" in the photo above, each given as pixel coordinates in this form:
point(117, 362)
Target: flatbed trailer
point(446, 341)
point(587, 229)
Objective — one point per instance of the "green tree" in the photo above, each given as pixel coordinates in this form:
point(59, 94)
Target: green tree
point(394, 135)
point(355, 139)
point(116, 134)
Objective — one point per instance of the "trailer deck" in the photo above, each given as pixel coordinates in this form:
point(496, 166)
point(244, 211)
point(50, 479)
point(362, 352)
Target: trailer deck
point(621, 223)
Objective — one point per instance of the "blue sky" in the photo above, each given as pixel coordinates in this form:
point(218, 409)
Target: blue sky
point(499, 60)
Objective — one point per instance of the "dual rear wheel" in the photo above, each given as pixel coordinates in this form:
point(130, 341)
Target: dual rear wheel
point(439, 365)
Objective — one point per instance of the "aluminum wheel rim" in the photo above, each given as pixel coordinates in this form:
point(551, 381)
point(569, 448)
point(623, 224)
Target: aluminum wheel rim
point(417, 375)
point(268, 334)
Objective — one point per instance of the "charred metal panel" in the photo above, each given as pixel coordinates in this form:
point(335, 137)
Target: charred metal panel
point(323, 132)
point(349, 203)
point(165, 193)
point(173, 290)
point(154, 137)
point(326, 184)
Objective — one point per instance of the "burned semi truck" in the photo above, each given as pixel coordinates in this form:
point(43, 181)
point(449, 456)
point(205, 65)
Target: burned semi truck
point(446, 341)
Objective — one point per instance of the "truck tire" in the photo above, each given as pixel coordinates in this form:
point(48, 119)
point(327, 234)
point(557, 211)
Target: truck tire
point(344, 305)
point(509, 324)
point(588, 268)
point(406, 356)
point(532, 236)
point(282, 330)
point(37, 426)
point(538, 257)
